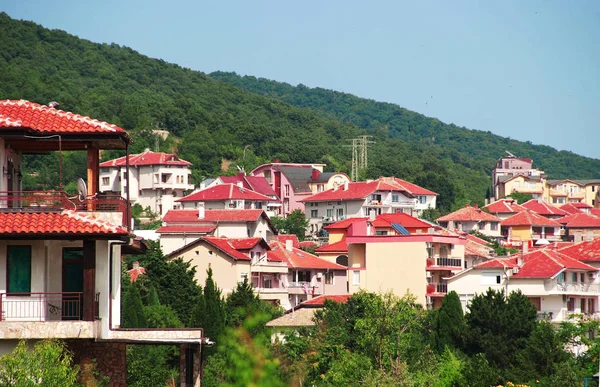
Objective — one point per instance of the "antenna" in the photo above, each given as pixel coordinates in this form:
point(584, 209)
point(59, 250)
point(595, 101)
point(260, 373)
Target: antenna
point(359, 163)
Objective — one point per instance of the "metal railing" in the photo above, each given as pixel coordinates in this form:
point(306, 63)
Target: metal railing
point(454, 262)
point(545, 316)
point(573, 287)
point(54, 306)
point(60, 200)
point(437, 287)
point(298, 284)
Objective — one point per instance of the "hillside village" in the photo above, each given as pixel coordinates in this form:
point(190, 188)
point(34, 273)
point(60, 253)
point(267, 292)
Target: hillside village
point(358, 236)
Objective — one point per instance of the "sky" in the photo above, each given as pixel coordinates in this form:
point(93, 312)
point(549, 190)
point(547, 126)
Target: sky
point(528, 70)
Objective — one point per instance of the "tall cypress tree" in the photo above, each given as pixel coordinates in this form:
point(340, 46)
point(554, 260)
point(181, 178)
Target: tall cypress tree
point(449, 326)
point(132, 315)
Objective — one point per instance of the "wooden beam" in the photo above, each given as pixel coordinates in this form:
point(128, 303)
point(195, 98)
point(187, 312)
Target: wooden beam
point(89, 280)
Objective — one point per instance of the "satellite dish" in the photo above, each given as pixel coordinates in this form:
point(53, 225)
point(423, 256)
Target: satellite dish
point(81, 189)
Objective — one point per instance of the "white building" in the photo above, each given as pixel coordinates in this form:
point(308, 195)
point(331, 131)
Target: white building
point(157, 179)
point(363, 199)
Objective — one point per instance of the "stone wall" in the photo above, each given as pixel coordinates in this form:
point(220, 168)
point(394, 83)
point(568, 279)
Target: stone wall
point(110, 361)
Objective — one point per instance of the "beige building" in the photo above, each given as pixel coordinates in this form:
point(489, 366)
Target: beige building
point(469, 219)
point(572, 191)
point(404, 263)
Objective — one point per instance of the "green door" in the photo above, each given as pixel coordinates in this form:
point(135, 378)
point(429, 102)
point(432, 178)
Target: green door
point(72, 304)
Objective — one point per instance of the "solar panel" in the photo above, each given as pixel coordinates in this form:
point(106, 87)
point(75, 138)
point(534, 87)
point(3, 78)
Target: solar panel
point(401, 230)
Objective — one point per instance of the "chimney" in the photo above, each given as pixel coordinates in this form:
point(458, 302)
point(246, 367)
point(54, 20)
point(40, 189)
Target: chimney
point(240, 184)
point(53, 104)
point(289, 244)
point(524, 249)
point(315, 174)
point(345, 186)
point(201, 210)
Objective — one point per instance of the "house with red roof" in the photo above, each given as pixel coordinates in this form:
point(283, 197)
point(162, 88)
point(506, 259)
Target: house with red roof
point(572, 191)
point(181, 227)
point(556, 282)
point(471, 218)
point(529, 227)
point(292, 182)
point(504, 208)
point(477, 251)
point(226, 196)
point(156, 179)
point(254, 183)
point(61, 255)
point(385, 195)
point(580, 226)
point(309, 276)
point(543, 208)
point(234, 260)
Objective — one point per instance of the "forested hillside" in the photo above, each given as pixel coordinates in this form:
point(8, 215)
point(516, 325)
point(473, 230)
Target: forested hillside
point(472, 148)
point(212, 121)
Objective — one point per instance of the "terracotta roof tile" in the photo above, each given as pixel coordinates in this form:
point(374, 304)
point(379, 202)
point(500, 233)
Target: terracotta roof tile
point(497, 263)
point(186, 216)
point(529, 218)
point(586, 251)
point(360, 190)
point(186, 229)
point(67, 222)
point(571, 209)
point(299, 259)
point(469, 214)
point(337, 247)
point(546, 263)
point(146, 158)
point(320, 300)
point(226, 246)
point(47, 120)
point(543, 208)
point(288, 237)
point(504, 206)
point(255, 183)
point(225, 191)
point(344, 224)
point(405, 220)
point(580, 220)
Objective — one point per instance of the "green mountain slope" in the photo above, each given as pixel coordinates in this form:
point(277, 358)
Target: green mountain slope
point(472, 148)
point(212, 120)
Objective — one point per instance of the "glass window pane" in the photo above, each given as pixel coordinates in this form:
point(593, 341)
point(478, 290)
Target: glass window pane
point(19, 269)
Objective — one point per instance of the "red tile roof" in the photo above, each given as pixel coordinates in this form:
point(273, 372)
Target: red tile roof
point(529, 218)
point(407, 221)
point(543, 208)
point(580, 220)
point(584, 251)
point(579, 205)
point(305, 244)
point(47, 120)
point(187, 216)
point(247, 243)
point(546, 263)
point(469, 214)
point(499, 263)
point(360, 190)
point(299, 259)
point(477, 247)
point(344, 224)
point(226, 246)
point(595, 211)
point(52, 223)
point(224, 192)
point(473, 238)
point(504, 206)
point(285, 237)
point(570, 208)
point(255, 183)
point(320, 300)
point(337, 247)
point(146, 158)
point(186, 229)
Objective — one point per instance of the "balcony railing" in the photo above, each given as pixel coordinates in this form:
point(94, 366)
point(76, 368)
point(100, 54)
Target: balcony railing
point(60, 200)
point(41, 306)
point(440, 287)
point(545, 316)
point(454, 262)
point(299, 284)
point(572, 287)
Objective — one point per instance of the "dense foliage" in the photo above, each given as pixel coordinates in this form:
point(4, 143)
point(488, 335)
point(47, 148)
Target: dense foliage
point(215, 124)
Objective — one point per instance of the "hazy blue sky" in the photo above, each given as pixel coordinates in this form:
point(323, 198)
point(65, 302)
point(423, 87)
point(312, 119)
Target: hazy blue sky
point(524, 69)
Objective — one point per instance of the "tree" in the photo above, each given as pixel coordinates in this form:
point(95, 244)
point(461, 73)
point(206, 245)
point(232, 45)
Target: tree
point(48, 364)
point(295, 223)
point(132, 314)
point(520, 197)
point(449, 326)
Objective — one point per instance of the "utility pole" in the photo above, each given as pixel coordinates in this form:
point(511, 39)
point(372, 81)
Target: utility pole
point(364, 144)
point(355, 160)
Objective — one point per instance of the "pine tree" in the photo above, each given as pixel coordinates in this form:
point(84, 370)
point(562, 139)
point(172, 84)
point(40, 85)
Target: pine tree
point(132, 315)
point(449, 326)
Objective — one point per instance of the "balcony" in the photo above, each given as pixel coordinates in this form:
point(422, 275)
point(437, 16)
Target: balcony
point(557, 193)
point(577, 195)
point(545, 316)
point(451, 262)
point(38, 201)
point(439, 288)
point(303, 287)
point(584, 288)
point(401, 203)
point(32, 307)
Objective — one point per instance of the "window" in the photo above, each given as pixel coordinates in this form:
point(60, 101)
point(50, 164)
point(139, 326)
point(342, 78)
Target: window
point(494, 226)
point(189, 179)
point(287, 190)
point(329, 212)
point(156, 178)
point(267, 282)
point(380, 232)
point(593, 188)
point(18, 268)
point(304, 276)
point(481, 225)
point(319, 187)
point(314, 213)
point(329, 278)
point(105, 181)
point(395, 198)
point(356, 277)
point(422, 199)
point(340, 213)
point(574, 277)
point(244, 277)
